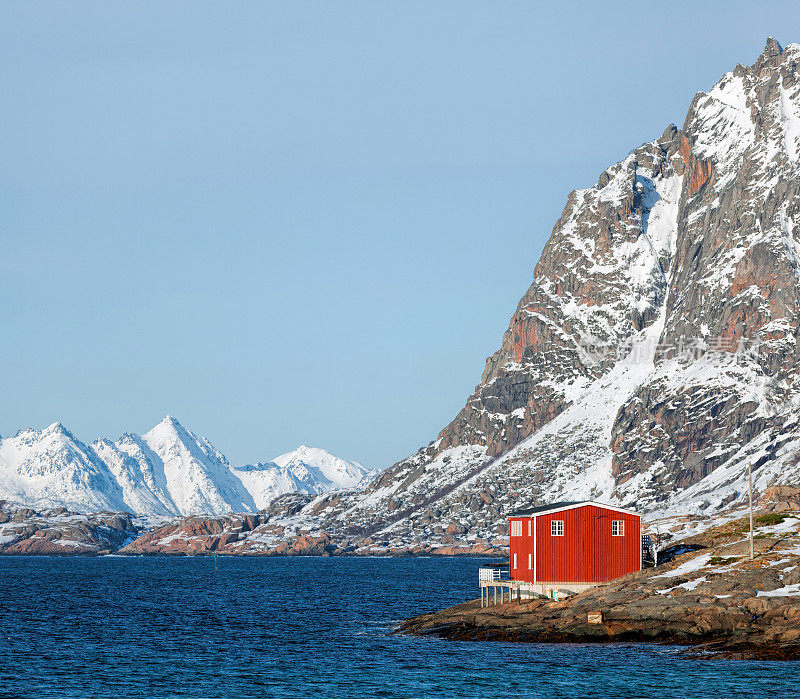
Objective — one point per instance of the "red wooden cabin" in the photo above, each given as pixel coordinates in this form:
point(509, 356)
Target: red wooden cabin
point(582, 543)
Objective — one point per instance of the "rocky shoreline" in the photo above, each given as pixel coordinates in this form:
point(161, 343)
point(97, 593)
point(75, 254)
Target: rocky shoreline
point(714, 599)
point(59, 532)
point(730, 631)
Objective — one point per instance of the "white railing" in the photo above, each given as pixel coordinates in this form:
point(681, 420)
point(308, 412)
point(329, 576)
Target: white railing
point(488, 574)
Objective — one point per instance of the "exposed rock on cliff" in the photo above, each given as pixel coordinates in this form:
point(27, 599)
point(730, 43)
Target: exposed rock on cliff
point(60, 532)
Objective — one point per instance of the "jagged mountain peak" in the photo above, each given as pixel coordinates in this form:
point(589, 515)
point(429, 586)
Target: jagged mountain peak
point(305, 451)
point(51, 467)
point(168, 470)
point(54, 432)
point(772, 49)
point(305, 469)
point(57, 429)
point(168, 424)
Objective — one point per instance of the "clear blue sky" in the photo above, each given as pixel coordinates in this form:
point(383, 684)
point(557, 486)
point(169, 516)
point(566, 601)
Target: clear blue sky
point(289, 222)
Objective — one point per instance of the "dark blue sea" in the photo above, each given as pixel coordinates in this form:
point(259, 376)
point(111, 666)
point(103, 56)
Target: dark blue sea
point(304, 627)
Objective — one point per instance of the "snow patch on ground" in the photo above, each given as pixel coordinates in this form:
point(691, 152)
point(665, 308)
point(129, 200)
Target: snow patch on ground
point(691, 566)
point(786, 591)
point(688, 585)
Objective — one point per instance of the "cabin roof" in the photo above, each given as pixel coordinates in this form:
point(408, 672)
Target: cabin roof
point(546, 508)
point(568, 505)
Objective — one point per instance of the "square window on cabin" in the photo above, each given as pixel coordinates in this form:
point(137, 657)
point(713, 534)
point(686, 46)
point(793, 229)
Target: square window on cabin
point(618, 527)
point(516, 529)
point(557, 527)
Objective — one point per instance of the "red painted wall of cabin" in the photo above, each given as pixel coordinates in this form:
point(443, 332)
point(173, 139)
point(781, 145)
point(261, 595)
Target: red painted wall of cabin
point(586, 553)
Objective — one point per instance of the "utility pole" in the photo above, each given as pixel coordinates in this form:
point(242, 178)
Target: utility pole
point(750, 496)
point(656, 544)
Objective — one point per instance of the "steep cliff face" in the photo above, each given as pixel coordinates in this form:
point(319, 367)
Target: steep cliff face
point(601, 279)
point(655, 353)
point(733, 294)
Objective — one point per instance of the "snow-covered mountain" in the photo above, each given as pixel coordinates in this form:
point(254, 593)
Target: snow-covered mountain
point(168, 471)
point(52, 467)
point(304, 470)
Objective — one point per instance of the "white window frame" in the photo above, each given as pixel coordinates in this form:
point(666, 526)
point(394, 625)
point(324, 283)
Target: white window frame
point(556, 527)
point(530, 561)
point(617, 527)
point(529, 527)
point(516, 528)
point(515, 561)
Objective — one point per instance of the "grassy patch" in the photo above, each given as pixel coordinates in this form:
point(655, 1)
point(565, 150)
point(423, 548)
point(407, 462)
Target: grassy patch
point(720, 561)
point(771, 518)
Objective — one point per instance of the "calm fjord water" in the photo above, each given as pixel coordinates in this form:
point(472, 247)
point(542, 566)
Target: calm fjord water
point(265, 627)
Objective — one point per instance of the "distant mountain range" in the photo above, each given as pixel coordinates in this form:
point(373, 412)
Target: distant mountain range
point(168, 471)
